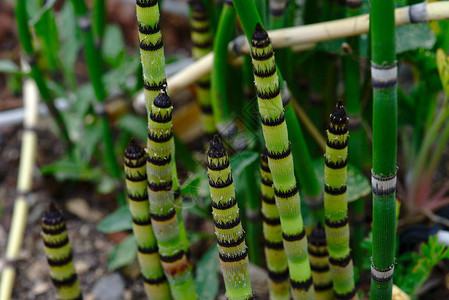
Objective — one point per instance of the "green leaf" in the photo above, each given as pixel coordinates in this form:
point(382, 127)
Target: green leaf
point(9, 67)
point(120, 76)
point(239, 162)
point(36, 14)
point(413, 36)
point(135, 125)
point(206, 279)
point(119, 220)
point(64, 169)
point(358, 185)
point(123, 254)
point(91, 137)
point(113, 47)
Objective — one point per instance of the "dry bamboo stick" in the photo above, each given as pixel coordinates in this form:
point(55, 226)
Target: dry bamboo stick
point(305, 37)
point(24, 184)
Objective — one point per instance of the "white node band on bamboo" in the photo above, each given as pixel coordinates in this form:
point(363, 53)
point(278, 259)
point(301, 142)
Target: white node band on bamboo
point(384, 77)
point(418, 13)
point(383, 186)
point(381, 275)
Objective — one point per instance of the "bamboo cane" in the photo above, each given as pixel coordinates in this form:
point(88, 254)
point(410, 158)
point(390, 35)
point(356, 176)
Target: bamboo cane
point(228, 228)
point(59, 255)
point(24, 185)
point(385, 128)
point(306, 37)
point(155, 282)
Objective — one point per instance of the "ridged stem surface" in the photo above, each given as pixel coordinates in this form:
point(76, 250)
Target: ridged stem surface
point(336, 205)
point(228, 228)
point(385, 128)
point(276, 259)
point(202, 40)
point(280, 162)
point(319, 263)
point(59, 255)
point(155, 282)
point(162, 203)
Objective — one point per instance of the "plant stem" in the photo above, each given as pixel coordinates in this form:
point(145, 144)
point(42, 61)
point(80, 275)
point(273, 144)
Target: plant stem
point(155, 282)
point(36, 73)
point(202, 39)
point(95, 68)
point(224, 34)
point(385, 128)
point(336, 205)
point(319, 262)
point(99, 17)
point(24, 188)
point(161, 197)
point(228, 228)
point(280, 160)
point(352, 84)
point(59, 254)
point(278, 285)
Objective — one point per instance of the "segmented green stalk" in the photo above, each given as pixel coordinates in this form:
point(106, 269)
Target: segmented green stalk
point(319, 263)
point(280, 162)
point(59, 255)
point(228, 228)
point(278, 285)
point(160, 195)
point(202, 39)
point(385, 135)
point(336, 205)
point(151, 49)
point(155, 282)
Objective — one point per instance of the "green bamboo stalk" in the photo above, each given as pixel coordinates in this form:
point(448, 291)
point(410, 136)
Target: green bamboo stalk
point(319, 263)
point(155, 282)
point(385, 128)
point(219, 96)
point(151, 49)
point(95, 68)
point(352, 84)
point(228, 228)
point(36, 73)
point(202, 39)
point(278, 285)
point(161, 197)
point(99, 19)
point(280, 162)
point(59, 255)
point(336, 205)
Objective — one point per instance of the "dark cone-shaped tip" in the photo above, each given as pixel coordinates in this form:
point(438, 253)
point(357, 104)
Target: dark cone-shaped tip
point(338, 116)
point(216, 148)
point(259, 34)
point(52, 215)
point(133, 150)
point(318, 235)
point(162, 100)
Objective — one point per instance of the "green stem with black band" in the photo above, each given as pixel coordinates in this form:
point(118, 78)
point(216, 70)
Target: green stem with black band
point(278, 285)
point(155, 282)
point(59, 255)
point(228, 228)
point(319, 263)
point(160, 194)
point(336, 205)
point(280, 161)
